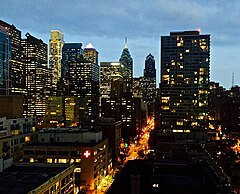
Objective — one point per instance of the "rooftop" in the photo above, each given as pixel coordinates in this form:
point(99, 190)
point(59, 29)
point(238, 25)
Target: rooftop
point(22, 179)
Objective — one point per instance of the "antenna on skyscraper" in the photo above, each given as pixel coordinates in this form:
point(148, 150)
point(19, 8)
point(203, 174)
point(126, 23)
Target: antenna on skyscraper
point(232, 79)
point(126, 46)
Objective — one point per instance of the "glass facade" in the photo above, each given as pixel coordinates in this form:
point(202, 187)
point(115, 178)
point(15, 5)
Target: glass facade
point(5, 57)
point(16, 66)
point(70, 52)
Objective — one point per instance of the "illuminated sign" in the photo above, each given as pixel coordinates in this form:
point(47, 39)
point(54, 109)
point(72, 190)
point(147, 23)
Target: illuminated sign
point(86, 154)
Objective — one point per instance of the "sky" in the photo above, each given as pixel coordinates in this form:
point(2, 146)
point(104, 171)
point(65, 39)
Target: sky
point(106, 23)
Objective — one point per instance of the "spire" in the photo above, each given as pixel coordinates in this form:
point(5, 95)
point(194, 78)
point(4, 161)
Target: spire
point(126, 46)
point(233, 79)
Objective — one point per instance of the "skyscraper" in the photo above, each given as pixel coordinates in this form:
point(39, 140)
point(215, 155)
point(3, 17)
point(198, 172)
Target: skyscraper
point(127, 62)
point(90, 53)
point(150, 70)
point(149, 80)
point(17, 78)
point(34, 57)
point(185, 59)
point(70, 52)
point(84, 83)
point(5, 56)
point(109, 72)
point(56, 43)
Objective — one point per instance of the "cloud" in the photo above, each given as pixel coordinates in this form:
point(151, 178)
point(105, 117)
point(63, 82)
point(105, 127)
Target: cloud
point(106, 23)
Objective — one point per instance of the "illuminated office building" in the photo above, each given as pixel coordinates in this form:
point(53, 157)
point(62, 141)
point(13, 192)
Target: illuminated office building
point(109, 72)
point(149, 80)
point(84, 83)
point(70, 52)
point(16, 70)
point(5, 55)
point(185, 59)
point(34, 57)
point(86, 148)
point(64, 111)
point(127, 62)
point(56, 43)
point(91, 54)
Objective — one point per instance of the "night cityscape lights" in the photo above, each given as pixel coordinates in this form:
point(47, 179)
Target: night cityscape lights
point(75, 124)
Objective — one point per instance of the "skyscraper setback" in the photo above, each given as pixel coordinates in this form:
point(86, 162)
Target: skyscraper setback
point(185, 59)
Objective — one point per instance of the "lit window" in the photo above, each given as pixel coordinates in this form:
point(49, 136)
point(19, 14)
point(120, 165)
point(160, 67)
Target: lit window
point(49, 160)
point(27, 139)
point(31, 160)
point(62, 161)
point(78, 160)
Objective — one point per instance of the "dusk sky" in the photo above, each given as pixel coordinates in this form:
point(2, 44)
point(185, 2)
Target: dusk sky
point(106, 23)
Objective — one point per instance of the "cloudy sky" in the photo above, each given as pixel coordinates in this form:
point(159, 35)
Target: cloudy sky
point(105, 23)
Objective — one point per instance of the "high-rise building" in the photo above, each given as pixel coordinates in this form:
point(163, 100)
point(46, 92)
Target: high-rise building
point(150, 70)
point(109, 72)
point(34, 57)
point(127, 62)
point(70, 52)
point(5, 56)
point(56, 43)
point(84, 83)
point(90, 53)
point(149, 80)
point(185, 59)
point(16, 70)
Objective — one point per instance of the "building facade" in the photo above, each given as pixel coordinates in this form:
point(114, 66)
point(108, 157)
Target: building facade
point(185, 63)
point(83, 147)
point(70, 52)
point(16, 78)
point(84, 83)
point(149, 80)
point(5, 57)
point(14, 133)
point(91, 54)
point(109, 72)
point(127, 62)
point(34, 57)
point(56, 43)
point(64, 111)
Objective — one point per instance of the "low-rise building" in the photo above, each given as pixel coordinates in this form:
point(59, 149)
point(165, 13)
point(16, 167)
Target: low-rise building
point(14, 133)
point(84, 147)
point(32, 179)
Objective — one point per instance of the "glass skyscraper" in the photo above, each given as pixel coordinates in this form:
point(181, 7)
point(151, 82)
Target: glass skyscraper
point(16, 82)
point(5, 57)
point(70, 53)
point(185, 63)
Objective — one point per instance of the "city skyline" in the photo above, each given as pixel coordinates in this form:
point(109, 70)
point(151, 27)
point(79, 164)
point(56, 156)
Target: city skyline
point(106, 25)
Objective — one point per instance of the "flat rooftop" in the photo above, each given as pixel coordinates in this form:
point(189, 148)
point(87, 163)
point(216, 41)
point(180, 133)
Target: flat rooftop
point(23, 179)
